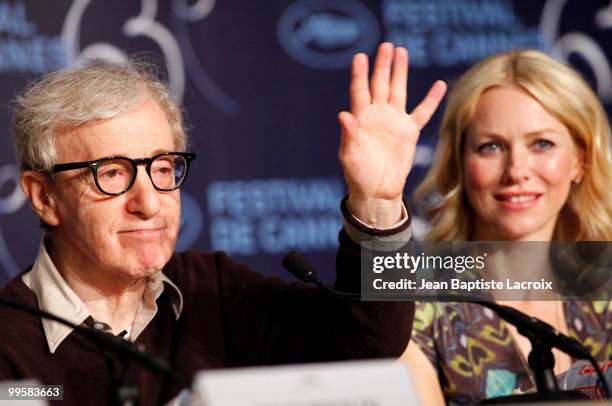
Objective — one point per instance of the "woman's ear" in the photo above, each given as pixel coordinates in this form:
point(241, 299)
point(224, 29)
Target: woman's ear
point(39, 190)
point(580, 166)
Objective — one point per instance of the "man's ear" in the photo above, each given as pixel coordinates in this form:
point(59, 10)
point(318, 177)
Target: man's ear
point(37, 187)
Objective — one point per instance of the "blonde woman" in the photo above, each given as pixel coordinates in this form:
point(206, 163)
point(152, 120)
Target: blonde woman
point(523, 155)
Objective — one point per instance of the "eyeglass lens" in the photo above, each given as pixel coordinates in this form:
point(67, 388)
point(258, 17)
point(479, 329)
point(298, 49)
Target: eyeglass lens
point(167, 172)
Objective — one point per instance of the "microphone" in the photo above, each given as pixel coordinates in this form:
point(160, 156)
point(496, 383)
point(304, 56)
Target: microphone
point(528, 325)
point(300, 267)
point(304, 271)
point(543, 337)
point(538, 331)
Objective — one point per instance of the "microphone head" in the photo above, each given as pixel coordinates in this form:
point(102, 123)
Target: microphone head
point(299, 267)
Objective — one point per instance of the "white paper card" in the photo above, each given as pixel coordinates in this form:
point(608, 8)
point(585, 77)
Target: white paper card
point(355, 383)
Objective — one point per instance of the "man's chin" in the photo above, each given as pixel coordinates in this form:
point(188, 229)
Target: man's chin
point(138, 271)
point(144, 264)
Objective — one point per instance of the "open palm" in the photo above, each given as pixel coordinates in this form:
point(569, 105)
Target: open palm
point(378, 137)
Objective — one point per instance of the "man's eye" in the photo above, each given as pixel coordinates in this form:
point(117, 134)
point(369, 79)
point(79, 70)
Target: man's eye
point(111, 173)
point(163, 170)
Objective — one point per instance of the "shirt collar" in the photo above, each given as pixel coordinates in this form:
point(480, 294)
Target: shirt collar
point(55, 296)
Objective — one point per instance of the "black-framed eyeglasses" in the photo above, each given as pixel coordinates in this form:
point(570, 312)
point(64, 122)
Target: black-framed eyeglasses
point(115, 175)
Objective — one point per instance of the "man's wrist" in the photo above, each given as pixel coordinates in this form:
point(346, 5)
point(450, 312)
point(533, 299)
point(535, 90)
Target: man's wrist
point(377, 213)
point(359, 231)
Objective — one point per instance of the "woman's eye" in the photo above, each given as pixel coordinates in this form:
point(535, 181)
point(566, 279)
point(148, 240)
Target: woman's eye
point(488, 147)
point(543, 144)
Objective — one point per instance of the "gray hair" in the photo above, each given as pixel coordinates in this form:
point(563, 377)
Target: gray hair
point(71, 97)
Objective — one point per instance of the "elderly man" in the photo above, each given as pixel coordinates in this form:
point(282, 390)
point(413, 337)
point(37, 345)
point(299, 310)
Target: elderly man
point(101, 151)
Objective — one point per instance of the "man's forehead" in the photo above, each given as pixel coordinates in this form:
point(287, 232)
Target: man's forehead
point(143, 131)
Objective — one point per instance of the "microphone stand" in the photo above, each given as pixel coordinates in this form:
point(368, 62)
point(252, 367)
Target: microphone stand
point(543, 338)
point(127, 393)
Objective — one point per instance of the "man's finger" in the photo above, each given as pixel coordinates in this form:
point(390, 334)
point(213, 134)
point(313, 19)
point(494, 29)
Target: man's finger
point(382, 72)
point(423, 112)
point(399, 79)
point(359, 91)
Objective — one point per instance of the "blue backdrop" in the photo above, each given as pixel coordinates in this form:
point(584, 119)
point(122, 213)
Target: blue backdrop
point(262, 82)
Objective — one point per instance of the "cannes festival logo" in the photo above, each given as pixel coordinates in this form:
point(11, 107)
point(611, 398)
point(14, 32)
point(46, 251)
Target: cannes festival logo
point(325, 35)
point(577, 42)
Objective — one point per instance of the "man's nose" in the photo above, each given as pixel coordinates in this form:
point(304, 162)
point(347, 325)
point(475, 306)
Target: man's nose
point(518, 165)
point(143, 199)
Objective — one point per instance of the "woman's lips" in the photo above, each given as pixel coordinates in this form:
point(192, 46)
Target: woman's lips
point(518, 201)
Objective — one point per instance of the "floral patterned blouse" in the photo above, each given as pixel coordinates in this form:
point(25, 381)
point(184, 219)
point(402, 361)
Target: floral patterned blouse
point(476, 356)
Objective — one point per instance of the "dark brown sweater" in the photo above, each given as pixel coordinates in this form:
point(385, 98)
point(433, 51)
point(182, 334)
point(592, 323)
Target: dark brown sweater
point(231, 317)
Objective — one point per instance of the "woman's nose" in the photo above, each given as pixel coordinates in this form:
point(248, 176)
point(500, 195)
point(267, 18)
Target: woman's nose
point(518, 165)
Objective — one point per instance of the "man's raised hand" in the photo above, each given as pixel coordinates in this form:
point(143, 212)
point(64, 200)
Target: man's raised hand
point(378, 137)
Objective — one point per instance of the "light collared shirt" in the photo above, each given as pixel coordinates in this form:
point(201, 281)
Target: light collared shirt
point(55, 296)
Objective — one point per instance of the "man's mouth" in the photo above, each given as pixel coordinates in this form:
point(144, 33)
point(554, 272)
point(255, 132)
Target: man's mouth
point(143, 232)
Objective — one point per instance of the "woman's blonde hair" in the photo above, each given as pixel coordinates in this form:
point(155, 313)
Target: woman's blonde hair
point(72, 97)
point(587, 214)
